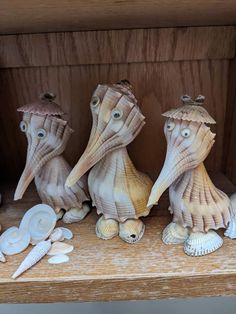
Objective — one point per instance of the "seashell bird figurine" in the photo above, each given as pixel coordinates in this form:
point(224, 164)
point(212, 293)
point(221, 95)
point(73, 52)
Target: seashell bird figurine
point(47, 134)
point(117, 189)
point(198, 207)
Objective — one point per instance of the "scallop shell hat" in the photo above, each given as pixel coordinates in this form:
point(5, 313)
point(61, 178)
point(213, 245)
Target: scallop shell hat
point(44, 106)
point(191, 110)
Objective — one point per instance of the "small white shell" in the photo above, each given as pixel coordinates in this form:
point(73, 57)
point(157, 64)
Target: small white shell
point(34, 256)
point(58, 259)
point(199, 243)
point(76, 214)
point(39, 220)
point(68, 235)
point(59, 248)
point(57, 235)
point(2, 257)
point(174, 234)
point(14, 241)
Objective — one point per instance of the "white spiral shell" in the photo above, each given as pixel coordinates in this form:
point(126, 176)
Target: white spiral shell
point(39, 220)
point(14, 241)
point(35, 255)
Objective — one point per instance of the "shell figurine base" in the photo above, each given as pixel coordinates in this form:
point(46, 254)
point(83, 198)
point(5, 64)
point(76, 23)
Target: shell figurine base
point(107, 229)
point(76, 214)
point(199, 243)
point(174, 234)
point(132, 230)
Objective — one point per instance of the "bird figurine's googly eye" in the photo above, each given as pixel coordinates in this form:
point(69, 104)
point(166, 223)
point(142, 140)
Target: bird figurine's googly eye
point(170, 126)
point(95, 101)
point(41, 133)
point(116, 114)
point(23, 126)
point(185, 133)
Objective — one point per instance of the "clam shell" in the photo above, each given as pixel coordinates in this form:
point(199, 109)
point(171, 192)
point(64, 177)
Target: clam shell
point(39, 220)
point(59, 248)
point(107, 228)
point(14, 241)
point(2, 257)
point(174, 234)
point(58, 259)
point(199, 244)
point(192, 112)
point(67, 233)
point(131, 230)
point(34, 256)
point(57, 235)
point(44, 106)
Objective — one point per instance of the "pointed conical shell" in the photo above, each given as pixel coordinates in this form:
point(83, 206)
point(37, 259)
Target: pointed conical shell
point(39, 220)
point(107, 229)
point(34, 256)
point(58, 259)
point(14, 241)
point(2, 257)
point(199, 244)
point(59, 248)
point(57, 235)
point(131, 230)
point(174, 234)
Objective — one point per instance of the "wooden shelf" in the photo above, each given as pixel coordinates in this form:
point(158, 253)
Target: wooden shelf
point(25, 16)
point(113, 270)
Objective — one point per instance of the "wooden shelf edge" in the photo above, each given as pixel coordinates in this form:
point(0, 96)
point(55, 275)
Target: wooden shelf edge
point(101, 270)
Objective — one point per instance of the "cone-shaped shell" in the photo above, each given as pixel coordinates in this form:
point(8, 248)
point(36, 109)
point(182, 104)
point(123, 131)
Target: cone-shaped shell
point(35, 255)
point(44, 106)
point(190, 111)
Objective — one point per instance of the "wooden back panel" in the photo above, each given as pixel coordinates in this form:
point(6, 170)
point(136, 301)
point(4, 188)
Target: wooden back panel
point(160, 68)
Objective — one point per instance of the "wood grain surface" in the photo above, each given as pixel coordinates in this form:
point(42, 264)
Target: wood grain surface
point(25, 16)
point(229, 157)
point(117, 46)
point(114, 270)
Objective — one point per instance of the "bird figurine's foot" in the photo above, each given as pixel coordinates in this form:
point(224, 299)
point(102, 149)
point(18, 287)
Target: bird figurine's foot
point(107, 229)
point(60, 214)
point(76, 214)
point(131, 230)
point(199, 243)
point(174, 234)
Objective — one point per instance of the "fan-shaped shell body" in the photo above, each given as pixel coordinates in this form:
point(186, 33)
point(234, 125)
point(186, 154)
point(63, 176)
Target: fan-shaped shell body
point(117, 189)
point(196, 203)
point(60, 248)
point(199, 244)
point(58, 259)
point(34, 256)
point(39, 220)
point(50, 184)
point(14, 241)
